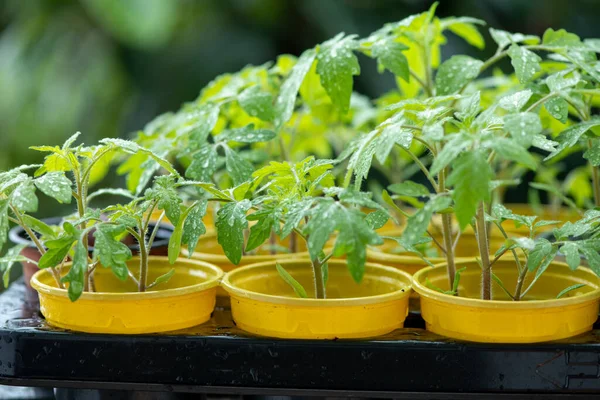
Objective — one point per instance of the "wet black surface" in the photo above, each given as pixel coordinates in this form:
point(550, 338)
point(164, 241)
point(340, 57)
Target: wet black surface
point(216, 357)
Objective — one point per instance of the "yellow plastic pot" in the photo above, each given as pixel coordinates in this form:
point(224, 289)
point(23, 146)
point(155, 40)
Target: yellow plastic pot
point(548, 213)
point(539, 317)
point(186, 300)
point(264, 304)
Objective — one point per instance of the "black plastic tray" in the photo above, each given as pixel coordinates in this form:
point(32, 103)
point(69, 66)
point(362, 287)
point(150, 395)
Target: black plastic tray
point(219, 358)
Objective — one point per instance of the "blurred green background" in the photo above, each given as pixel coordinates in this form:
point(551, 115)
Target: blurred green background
point(105, 67)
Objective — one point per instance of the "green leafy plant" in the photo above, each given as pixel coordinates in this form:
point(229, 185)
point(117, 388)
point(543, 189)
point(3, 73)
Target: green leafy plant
point(66, 175)
point(466, 140)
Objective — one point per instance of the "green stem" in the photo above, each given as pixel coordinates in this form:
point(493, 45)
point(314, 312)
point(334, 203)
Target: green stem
point(595, 180)
point(421, 82)
point(143, 278)
point(541, 101)
point(447, 234)
point(484, 252)
point(423, 169)
point(318, 278)
point(520, 281)
point(37, 243)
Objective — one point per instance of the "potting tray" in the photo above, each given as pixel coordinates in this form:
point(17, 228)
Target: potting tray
point(218, 358)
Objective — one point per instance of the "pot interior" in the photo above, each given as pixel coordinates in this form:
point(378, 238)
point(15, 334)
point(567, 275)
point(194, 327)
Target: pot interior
point(554, 280)
point(208, 244)
point(107, 282)
point(264, 279)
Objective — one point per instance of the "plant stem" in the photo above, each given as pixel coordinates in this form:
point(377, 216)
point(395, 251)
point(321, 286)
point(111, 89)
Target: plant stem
point(421, 82)
point(447, 234)
point(293, 242)
point(540, 101)
point(272, 242)
point(595, 180)
point(155, 230)
point(37, 243)
point(484, 252)
point(318, 278)
point(422, 167)
point(143, 260)
point(520, 282)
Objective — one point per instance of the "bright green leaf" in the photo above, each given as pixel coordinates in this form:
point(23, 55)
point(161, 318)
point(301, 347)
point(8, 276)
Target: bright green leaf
point(455, 73)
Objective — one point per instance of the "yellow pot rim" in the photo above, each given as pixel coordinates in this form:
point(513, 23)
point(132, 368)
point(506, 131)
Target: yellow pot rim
point(246, 260)
point(424, 291)
point(311, 302)
point(42, 288)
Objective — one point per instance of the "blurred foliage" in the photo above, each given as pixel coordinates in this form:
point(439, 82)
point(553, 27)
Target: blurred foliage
point(106, 67)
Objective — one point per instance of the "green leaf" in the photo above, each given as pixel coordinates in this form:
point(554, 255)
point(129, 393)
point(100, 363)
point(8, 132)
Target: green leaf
point(55, 185)
point(523, 127)
point(76, 275)
point(389, 54)
point(177, 236)
point(516, 101)
point(284, 106)
point(239, 169)
point(469, 108)
point(164, 278)
point(336, 65)
point(409, 188)
point(542, 249)
point(133, 148)
point(571, 252)
point(558, 108)
point(466, 29)
point(24, 198)
point(203, 165)
point(592, 256)
point(289, 279)
point(199, 122)
point(37, 226)
point(560, 38)
point(165, 193)
point(11, 257)
point(57, 250)
point(354, 234)
point(377, 219)
point(4, 225)
point(417, 224)
point(509, 149)
point(110, 251)
point(455, 73)
point(194, 227)
point(569, 137)
point(569, 289)
point(110, 192)
point(361, 159)
point(592, 154)
point(261, 231)
point(247, 134)
point(451, 150)
point(525, 62)
point(230, 224)
point(470, 177)
point(257, 103)
point(504, 38)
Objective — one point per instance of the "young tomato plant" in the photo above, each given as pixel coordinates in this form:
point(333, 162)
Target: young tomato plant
point(465, 138)
point(297, 199)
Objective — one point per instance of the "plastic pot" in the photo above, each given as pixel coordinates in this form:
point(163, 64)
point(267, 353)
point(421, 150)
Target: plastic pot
point(264, 304)
point(539, 317)
point(17, 235)
point(186, 300)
